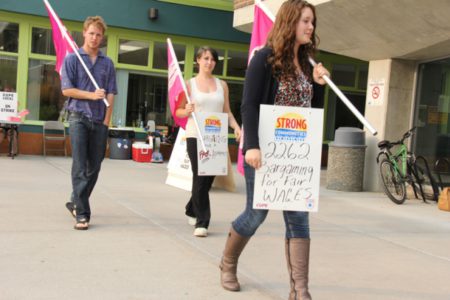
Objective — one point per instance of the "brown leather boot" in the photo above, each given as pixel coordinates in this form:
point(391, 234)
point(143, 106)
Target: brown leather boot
point(228, 266)
point(297, 257)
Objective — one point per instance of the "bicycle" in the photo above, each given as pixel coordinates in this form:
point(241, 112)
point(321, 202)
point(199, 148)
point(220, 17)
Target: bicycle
point(401, 167)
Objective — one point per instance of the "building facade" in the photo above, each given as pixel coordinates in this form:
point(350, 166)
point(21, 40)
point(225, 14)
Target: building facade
point(136, 42)
point(407, 46)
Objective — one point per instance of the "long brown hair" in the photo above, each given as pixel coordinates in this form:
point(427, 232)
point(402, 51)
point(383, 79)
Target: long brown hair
point(282, 39)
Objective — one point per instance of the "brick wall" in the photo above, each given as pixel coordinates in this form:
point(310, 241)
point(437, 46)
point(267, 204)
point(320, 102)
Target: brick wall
point(242, 3)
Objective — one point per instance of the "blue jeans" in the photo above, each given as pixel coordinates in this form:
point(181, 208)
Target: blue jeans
point(88, 140)
point(297, 222)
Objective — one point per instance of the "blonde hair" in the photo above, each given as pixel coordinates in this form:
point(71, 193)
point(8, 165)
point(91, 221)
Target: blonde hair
point(96, 21)
point(282, 39)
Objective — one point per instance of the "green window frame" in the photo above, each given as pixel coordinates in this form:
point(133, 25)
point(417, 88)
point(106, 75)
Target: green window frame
point(133, 43)
point(24, 54)
point(226, 5)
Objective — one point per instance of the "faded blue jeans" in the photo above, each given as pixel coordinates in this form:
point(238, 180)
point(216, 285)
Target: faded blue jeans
point(297, 222)
point(88, 140)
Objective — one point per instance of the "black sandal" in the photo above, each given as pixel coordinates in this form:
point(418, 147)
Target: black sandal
point(82, 224)
point(71, 207)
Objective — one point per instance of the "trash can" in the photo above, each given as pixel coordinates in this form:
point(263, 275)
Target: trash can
point(346, 156)
point(120, 141)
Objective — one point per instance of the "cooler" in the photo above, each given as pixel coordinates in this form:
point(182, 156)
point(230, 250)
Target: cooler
point(142, 152)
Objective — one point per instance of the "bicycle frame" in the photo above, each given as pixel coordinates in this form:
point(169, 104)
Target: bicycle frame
point(402, 153)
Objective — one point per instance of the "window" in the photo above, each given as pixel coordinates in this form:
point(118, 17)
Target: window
point(146, 99)
point(133, 52)
point(236, 63)
point(44, 100)
point(79, 40)
point(338, 115)
point(9, 37)
point(160, 55)
point(8, 75)
point(432, 138)
point(362, 81)
point(344, 74)
point(42, 41)
point(218, 70)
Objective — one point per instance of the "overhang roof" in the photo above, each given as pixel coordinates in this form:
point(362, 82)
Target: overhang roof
point(373, 30)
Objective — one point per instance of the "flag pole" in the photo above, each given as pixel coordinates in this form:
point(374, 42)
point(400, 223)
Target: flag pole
point(75, 50)
point(265, 10)
point(338, 92)
point(188, 99)
point(346, 101)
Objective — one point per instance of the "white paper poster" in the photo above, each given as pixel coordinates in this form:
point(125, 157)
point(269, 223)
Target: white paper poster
point(179, 167)
point(8, 105)
point(290, 139)
point(214, 129)
point(376, 92)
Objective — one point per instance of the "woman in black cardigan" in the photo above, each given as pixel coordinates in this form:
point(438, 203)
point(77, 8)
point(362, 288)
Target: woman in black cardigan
point(278, 74)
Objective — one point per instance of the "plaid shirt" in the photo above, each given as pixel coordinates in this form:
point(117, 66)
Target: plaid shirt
point(73, 75)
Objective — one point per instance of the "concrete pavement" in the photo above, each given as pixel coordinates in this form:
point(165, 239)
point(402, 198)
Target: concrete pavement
point(139, 245)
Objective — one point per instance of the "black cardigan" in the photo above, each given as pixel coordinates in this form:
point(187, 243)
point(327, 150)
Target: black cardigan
point(260, 87)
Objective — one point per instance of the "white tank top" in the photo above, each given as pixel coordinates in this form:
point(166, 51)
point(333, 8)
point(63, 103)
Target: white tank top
point(206, 102)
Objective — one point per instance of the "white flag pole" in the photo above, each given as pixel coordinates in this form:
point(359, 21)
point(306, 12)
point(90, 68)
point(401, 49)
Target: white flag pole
point(346, 101)
point(265, 9)
point(338, 92)
point(188, 99)
point(75, 50)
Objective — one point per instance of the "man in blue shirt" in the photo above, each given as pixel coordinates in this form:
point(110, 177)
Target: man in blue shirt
point(88, 115)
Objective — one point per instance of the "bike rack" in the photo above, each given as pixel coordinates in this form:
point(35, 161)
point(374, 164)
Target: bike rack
point(436, 169)
point(432, 181)
point(411, 171)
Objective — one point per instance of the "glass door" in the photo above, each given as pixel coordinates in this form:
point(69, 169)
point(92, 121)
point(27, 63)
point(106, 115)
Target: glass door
point(432, 111)
point(146, 100)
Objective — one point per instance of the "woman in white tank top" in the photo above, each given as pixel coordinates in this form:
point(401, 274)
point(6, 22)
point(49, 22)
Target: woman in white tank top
point(208, 94)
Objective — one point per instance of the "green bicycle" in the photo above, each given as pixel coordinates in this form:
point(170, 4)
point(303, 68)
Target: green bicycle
point(401, 168)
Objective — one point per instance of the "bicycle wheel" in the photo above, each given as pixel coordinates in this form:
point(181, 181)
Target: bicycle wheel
point(393, 185)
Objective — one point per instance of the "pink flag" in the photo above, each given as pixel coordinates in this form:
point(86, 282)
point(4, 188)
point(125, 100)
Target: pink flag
point(262, 24)
point(19, 116)
point(62, 46)
point(176, 84)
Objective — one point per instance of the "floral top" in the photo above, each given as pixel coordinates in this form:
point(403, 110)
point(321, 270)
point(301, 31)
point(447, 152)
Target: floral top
point(296, 92)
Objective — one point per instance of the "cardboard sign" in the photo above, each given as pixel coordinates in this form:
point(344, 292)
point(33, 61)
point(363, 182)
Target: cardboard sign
point(214, 130)
point(290, 139)
point(8, 105)
point(179, 167)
